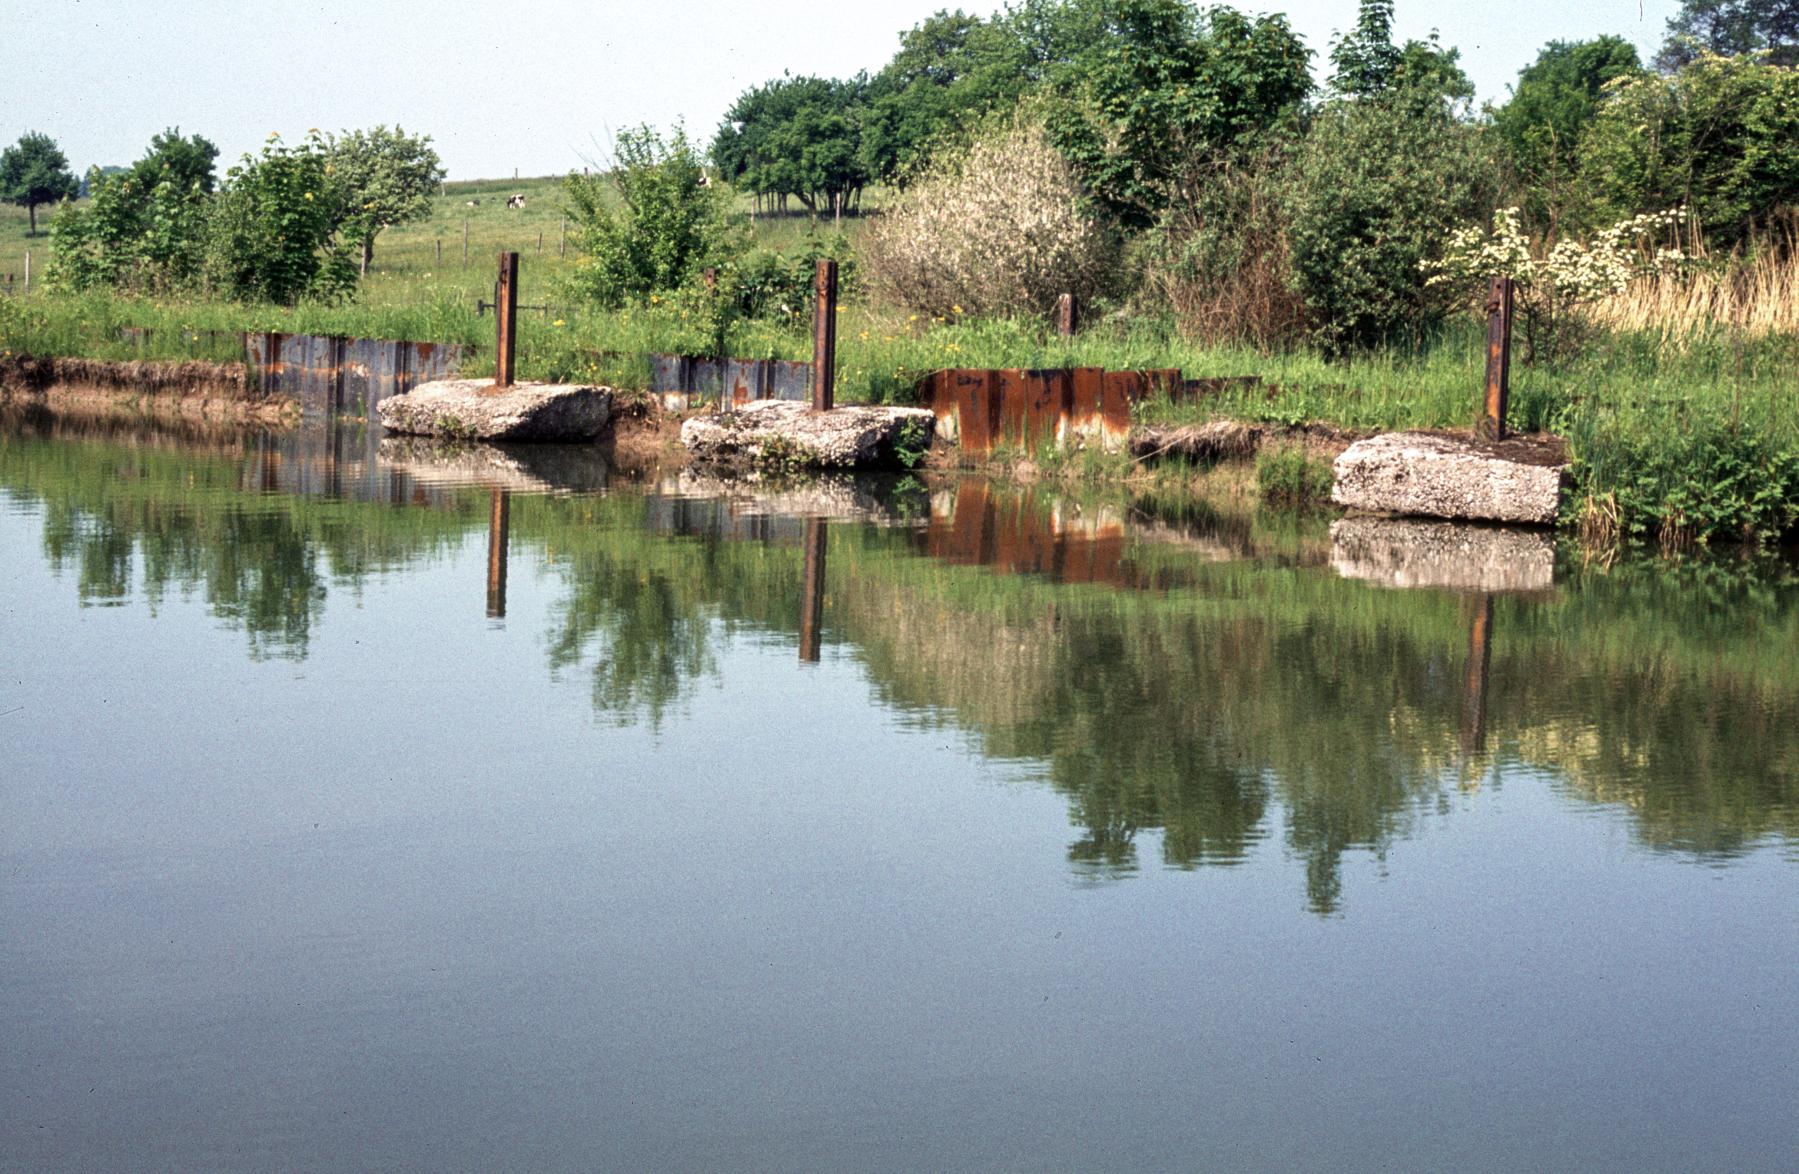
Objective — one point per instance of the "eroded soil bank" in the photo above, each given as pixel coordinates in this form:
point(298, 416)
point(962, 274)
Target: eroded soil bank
point(182, 389)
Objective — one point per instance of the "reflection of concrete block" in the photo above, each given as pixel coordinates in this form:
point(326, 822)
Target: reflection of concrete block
point(1396, 552)
point(471, 409)
point(1445, 477)
point(518, 468)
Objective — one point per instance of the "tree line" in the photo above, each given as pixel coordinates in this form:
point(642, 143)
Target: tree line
point(286, 223)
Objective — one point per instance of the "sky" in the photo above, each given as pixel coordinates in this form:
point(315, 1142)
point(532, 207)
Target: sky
point(538, 86)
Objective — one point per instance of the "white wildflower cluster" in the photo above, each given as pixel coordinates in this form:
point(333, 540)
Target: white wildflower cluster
point(1000, 231)
point(1571, 271)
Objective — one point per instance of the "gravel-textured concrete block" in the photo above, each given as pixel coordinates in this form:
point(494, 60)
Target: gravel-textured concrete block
point(472, 409)
point(785, 432)
point(1435, 476)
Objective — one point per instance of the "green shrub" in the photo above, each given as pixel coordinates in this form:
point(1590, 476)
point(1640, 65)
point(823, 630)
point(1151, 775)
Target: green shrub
point(1377, 188)
point(1686, 480)
point(271, 235)
point(1287, 475)
point(650, 225)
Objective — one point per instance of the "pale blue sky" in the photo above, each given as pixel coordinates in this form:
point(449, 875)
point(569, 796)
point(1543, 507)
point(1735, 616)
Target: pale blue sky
point(537, 85)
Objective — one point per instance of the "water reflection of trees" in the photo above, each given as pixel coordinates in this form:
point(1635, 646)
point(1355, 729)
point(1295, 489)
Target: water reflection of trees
point(1233, 699)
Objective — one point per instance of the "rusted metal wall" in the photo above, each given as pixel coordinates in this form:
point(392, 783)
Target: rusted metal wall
point(332, 373)
point(983, 408)
point(685, 380)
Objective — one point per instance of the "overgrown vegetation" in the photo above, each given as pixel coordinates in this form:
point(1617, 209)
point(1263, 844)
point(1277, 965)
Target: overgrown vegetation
point(1216, 206)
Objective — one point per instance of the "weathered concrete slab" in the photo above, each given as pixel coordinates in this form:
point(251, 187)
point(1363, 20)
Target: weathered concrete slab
point(845, 497)
point(780, 432)
point(1423, 474)
point(1447, 556)
point(473, 409)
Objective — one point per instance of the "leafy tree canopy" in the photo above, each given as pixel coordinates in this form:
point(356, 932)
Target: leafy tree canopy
point(1556, 99)
point(1716, 138)
point(796, 136)
point(34, 171)
point(1365, 62)
point(1730, 28)
point(380, 178)
point(950, 70)
point(184, 162)
point(1139, 94)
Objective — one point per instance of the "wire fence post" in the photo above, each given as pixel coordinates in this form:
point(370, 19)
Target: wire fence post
point(824, 338)
point(505, 316)
point(465, 242)
point(1499, 360)
point(27, 270)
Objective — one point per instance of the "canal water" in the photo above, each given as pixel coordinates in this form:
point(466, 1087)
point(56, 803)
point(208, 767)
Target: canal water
point(370, 805)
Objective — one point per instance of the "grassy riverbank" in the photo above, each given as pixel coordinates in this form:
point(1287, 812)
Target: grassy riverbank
point(1685, 439)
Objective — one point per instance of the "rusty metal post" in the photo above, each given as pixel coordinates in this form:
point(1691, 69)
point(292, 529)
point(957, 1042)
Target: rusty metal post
point(812, 591)
point(505, 307)
point(1065, 315)
point(1499, 360)
point(824, 339)
point(1475, 674)
point(497, 525)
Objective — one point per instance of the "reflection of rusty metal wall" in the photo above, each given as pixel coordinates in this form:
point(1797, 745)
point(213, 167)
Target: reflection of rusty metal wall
point(692, 380)
point(332, 373)
point(1013, 534)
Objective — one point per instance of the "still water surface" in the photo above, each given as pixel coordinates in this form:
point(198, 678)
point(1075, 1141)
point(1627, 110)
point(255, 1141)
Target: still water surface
point(377, 807)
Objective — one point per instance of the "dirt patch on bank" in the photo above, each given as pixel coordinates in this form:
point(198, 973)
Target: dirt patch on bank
point(644, 440)
point(188, 390)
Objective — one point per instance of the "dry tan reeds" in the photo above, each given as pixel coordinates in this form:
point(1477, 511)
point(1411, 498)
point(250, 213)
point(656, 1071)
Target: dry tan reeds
point(1752, 292)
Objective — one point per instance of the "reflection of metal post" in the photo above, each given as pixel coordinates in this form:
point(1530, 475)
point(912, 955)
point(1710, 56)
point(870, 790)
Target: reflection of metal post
point(812, 591)
point(1474, 677)
point(496, 554)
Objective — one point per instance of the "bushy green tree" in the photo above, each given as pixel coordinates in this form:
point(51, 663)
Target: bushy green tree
point(34, 171)
point(271, 235)
point(187, 163)
point(1140, 95)
point(951, 69)
point(1365, 63)
point(1556, 99)
point(129, 239)
point(1730, 28)
point(1375, 190)
point(651, 224)
point(382, 178)
point(799, 137)
point(1717, 138)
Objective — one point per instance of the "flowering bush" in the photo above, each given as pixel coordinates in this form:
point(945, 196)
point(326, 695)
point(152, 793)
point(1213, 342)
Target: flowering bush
point(1000, 230)
point(1554, 286)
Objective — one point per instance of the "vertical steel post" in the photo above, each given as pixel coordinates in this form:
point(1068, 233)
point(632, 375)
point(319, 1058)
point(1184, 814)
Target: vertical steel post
point(1065, 315)
point(1499, 360)
point(465, 242)
point(506, 315)
point(27, 270)
point(824, 339)
point(497, 525)
point(812, 591)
